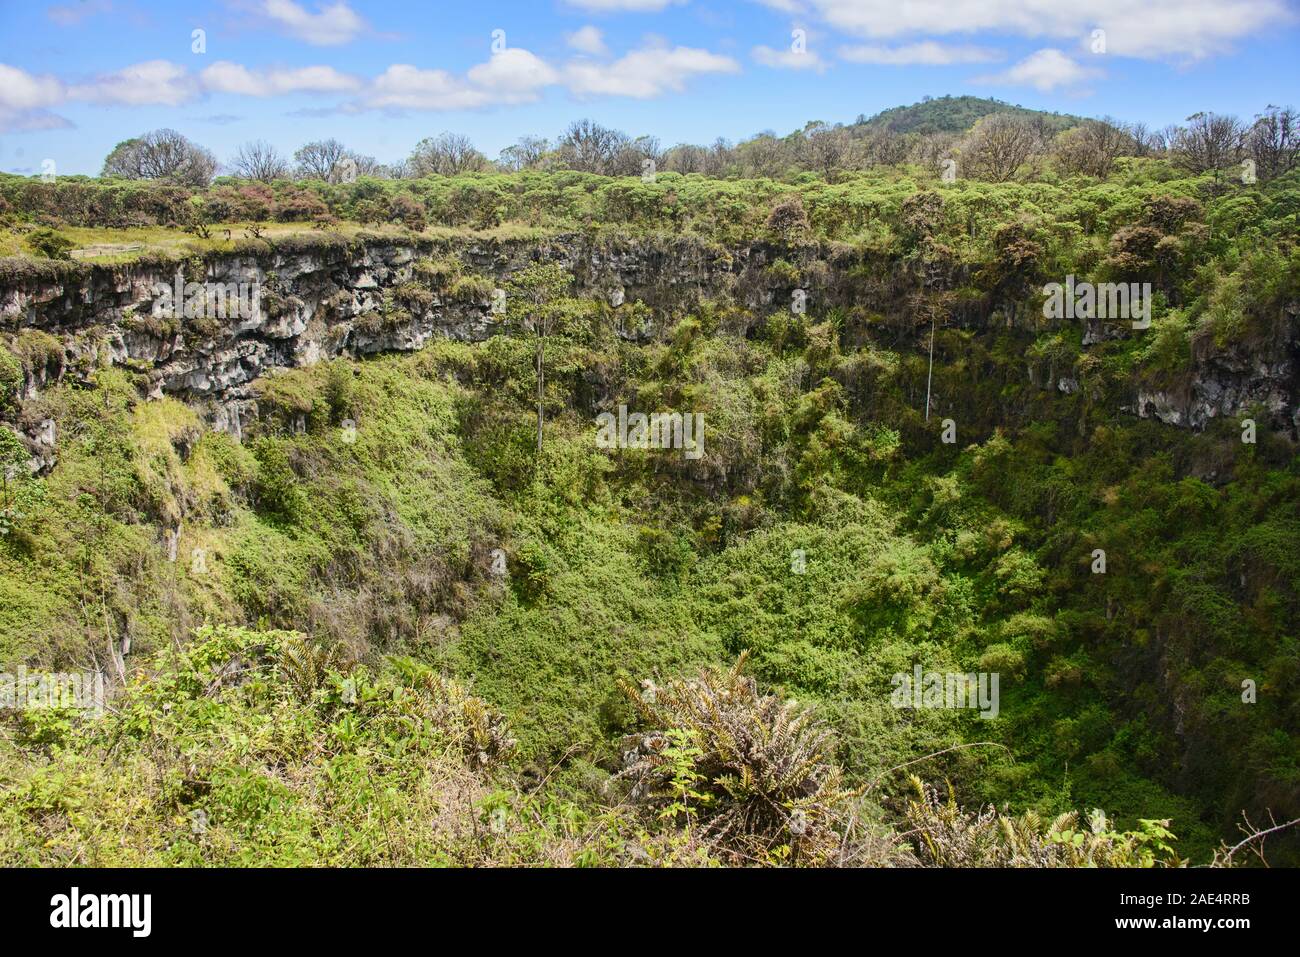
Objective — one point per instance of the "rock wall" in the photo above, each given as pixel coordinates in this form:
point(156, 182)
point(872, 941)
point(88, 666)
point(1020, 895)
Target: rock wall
point(324, 296)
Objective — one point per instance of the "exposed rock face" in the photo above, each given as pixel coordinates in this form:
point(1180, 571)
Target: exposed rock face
point(1229, 384)
point(329, 299)
point(305, 307)
point(41, 441)
point(323, 297)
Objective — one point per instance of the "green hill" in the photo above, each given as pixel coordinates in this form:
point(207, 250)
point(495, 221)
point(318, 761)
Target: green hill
point(955, 114)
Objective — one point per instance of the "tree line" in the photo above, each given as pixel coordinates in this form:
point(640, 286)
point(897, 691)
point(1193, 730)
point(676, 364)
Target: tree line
point(994, 149)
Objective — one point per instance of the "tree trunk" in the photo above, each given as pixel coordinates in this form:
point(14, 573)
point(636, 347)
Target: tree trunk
point(930, 375)
point(540, 387)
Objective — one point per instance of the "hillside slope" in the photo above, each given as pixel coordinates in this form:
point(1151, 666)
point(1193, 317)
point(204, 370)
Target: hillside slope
point(957, 114)
point(376, 487)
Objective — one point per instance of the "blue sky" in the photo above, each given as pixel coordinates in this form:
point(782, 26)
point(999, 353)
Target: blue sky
point(77, 76)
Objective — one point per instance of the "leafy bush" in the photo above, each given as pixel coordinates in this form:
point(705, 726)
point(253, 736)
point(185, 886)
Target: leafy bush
point(408, 211)
point(278, 752)
point(48, 243)
point(11, 379)
point(756, 772)
point(944, 835)
point(788, 219)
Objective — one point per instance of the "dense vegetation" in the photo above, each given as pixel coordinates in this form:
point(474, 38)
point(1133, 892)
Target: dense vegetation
point(590, 175)
point(956, 115)
point(365, 688)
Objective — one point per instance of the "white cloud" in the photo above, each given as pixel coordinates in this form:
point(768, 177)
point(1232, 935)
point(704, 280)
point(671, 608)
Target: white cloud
point(645, 73)
point(25, 98)
point(20, 90)
point(1045, 70)
point(404, 87)
point(927, 53)
point(152, 83)
point(513, 74)
point(333, 25)
point(788, 59)
point(1176, 29)
point(588, 39)
point(516, 75)
point(226, 77)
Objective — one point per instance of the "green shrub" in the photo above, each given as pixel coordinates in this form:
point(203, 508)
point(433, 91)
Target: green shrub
point(48, 243)
point(471, 289)
point(757, 773)
point(11, 380)
point(944, 835)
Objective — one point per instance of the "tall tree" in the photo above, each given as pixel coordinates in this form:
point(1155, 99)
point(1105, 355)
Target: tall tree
point(161, 154)
point(1209, 143)
point(997, 147)
point(536, 305)
point(827, 148)
point(317, 160)
point(445, 155)
point(260, 161)
point(1145, 140)
point(528, 152)
point(686, 158)
point(590, 148)
point(630, 159)
point(1092, 147)
point(762, 155)
point(1273, 142)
